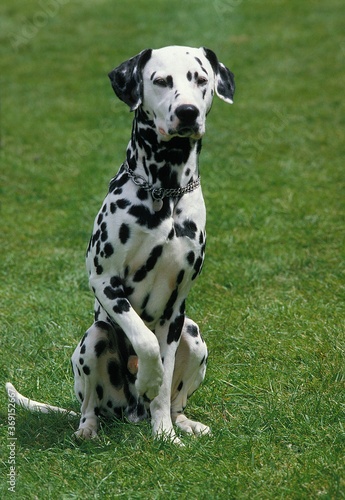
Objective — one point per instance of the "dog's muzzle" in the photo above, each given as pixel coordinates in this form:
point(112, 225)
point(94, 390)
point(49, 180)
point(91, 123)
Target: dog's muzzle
point(187, 115)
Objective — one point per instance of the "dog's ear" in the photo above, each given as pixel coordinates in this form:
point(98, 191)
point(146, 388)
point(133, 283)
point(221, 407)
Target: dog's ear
point(225, 80)
point(126, 79)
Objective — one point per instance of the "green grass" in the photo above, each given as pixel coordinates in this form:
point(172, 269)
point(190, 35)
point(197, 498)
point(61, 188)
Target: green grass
point(270, 300)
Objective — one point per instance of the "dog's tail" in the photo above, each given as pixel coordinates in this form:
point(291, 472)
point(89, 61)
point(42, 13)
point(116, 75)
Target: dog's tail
point(29, 404)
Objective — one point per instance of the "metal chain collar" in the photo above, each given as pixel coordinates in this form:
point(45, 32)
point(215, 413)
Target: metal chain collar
point(160, 193)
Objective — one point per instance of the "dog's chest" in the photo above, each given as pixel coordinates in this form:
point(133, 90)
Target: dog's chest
point(155, 254)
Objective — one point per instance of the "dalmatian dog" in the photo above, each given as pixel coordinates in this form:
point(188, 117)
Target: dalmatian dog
point(143, 356)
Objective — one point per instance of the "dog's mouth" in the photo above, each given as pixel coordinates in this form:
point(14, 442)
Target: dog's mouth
point(192, 131)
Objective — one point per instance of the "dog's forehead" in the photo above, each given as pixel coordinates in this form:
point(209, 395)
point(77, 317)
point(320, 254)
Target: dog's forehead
point(176, 59)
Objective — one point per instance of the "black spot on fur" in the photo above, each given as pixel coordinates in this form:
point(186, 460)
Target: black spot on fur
point(197, 267)
point(123, 203)
point(146, 317)
point(192, 330)
point(122, 305)
point(179, 387)
point(188, 229)
point(115, 375)
point(124, 233)
point(100, 347)
point(175, 329)
point(99, 390)
point(170, 81)
point(83, 339)
point(108, 250)
point(141, 273)
point(180, 277)
point(113, 293)
point(86, 370)
point(115, 281)
point(191, 258)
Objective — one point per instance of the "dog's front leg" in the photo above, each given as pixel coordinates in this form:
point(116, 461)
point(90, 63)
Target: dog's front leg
point(110, 294)
point(168, 336)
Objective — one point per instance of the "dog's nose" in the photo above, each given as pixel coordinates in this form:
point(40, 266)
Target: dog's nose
point(187, 113)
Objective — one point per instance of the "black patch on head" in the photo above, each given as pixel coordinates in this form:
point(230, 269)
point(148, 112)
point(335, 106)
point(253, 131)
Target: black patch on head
point(170, 81)
point(189, 76)
point(126, 79)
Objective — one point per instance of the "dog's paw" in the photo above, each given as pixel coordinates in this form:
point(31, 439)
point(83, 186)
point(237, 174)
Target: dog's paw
point(88, 428)
point(191, 427)
point(86, 433)
point(149, 378)
point(168, 436)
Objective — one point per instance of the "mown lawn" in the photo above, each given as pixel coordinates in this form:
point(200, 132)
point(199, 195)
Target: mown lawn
point(271, 297)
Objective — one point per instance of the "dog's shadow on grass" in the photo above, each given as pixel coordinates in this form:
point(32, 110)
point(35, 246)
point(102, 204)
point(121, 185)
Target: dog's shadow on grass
point(56, 431)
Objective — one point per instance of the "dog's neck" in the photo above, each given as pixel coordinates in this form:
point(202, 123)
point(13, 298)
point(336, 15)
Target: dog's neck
point(166, 164)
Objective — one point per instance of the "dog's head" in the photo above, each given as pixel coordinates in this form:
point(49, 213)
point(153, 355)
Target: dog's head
point(175, 87)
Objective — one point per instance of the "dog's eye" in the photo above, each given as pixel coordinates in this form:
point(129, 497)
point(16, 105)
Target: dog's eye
point(161, 82)
point(201, 80)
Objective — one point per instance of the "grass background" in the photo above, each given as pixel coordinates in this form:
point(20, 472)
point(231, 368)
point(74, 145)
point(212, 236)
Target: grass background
point(270, 300)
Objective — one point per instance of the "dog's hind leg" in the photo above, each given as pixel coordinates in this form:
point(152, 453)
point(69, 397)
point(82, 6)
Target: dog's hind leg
point(99, 378)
